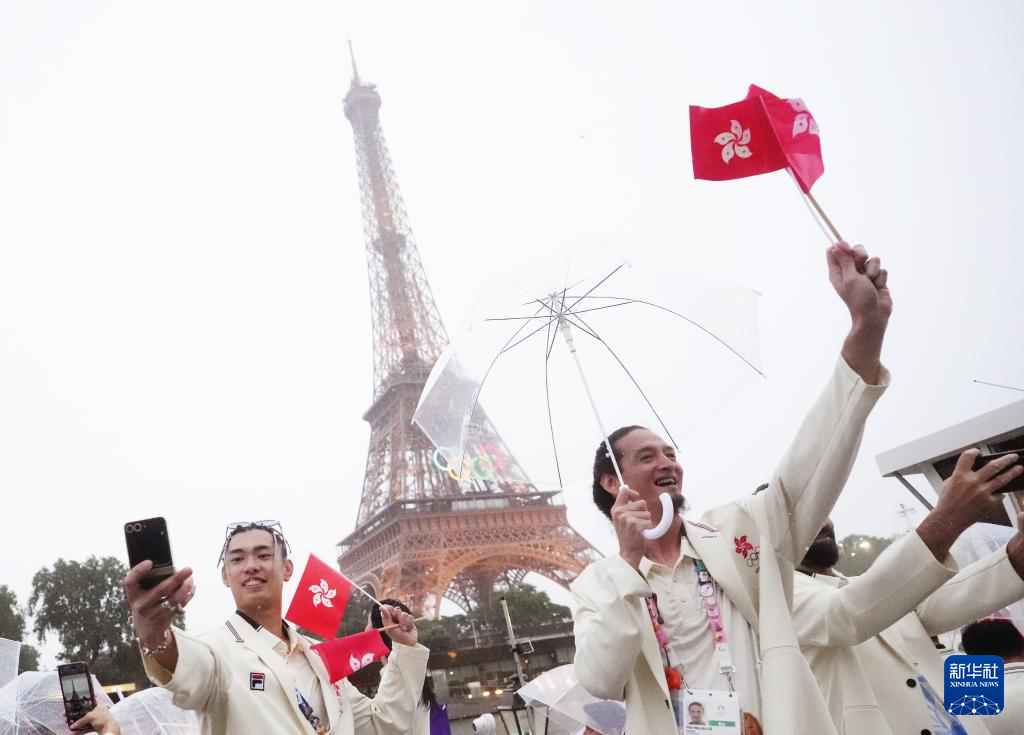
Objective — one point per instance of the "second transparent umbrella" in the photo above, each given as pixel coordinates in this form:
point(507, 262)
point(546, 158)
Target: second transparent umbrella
point(646, 341)
point(567, 705)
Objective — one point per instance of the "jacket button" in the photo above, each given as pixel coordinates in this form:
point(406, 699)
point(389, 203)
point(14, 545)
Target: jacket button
point(926, 732)
point(912, 683)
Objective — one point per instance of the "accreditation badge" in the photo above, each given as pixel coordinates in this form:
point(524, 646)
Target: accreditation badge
point(710, 712)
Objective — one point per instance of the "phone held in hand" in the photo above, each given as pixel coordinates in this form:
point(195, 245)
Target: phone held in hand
point(76, 688)
point(1015, 485)
point(148, 540)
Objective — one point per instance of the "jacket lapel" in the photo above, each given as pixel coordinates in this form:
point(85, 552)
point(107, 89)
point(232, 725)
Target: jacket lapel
point(262, 647)
point(717, 550)
point(329, 692)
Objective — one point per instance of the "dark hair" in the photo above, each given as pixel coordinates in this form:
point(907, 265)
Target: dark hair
point(993, 637)
point(603, 499)
point(377, 621)
point(280, 542)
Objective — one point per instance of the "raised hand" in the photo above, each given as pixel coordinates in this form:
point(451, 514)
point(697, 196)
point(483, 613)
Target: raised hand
point(862, 284)
point(631, 518)
point(154, 610)
point(967, 497)
point(406, 632)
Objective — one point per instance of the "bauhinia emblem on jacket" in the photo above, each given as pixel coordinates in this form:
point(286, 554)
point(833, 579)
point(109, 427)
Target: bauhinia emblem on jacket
point(750, 553)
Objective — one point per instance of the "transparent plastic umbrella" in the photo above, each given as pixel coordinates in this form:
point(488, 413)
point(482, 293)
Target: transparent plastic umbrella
point(10, 653)
point(570, 706)
point(32, 704)
point(979, 541)
point(151, 712)
point(646, 341)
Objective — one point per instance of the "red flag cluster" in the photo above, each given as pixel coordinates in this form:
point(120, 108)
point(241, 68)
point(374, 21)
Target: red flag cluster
point(318, 606)
point(758, 134)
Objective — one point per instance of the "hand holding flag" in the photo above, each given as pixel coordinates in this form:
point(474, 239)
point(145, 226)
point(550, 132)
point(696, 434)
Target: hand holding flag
point(351, 653)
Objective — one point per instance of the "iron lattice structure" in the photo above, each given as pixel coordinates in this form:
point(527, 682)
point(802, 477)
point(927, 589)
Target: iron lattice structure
point(420, 535)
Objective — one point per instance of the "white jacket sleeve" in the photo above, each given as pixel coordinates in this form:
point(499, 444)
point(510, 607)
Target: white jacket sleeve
point(900, 578)
point(401, 684)
point(199, 676)
point(979, 589)
point(814, 470)
point(608, 624)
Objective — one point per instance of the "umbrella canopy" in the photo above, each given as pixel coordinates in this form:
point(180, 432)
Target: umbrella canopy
point(10, 652)
point(659, 345)
point(570, 705)
point(979, 541)
point(33, 704)
point(151, 712)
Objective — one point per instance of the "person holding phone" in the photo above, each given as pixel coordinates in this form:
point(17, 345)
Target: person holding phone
point(706, 606)
point(255, 673)
point(868, 638)
point(99, 720)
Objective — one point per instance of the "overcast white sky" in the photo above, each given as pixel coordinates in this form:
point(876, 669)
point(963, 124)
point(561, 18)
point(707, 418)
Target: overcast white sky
point(184, 323)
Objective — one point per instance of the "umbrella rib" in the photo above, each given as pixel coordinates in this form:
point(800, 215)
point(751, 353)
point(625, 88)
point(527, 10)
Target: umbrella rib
point(694, 323)
point(508, 347)
point(483, 379)
point(582, 326)
point(596, 285)
point(547, 397)
point(637, 385)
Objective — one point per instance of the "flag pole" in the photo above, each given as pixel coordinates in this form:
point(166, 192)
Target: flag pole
point(810, 200)
point(386, 628)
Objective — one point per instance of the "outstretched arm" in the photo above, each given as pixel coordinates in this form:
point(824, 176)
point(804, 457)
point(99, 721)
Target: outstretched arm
point(812, 474)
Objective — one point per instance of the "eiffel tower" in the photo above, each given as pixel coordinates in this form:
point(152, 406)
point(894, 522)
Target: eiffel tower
point(421, 535)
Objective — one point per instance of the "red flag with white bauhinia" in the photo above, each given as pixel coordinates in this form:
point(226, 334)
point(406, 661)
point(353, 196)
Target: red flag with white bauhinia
point(734, 141)
point(797, 133)
point(319, 601)
point(351, 653)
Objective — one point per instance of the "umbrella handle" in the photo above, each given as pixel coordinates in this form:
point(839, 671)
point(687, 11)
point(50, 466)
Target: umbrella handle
point(667, 514)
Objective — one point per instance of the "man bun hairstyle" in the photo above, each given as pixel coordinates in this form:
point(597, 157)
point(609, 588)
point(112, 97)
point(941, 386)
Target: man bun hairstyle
point(603, 499)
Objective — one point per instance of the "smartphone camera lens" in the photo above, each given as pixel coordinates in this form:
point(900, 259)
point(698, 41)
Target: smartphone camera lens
point(137, 528)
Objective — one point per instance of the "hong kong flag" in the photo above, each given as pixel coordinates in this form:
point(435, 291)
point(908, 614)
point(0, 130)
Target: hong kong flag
point(319, 602)
point(351, 653)
point(797, 133)
point(734, 141)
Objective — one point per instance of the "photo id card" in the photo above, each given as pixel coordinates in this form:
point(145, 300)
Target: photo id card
point(710, 712)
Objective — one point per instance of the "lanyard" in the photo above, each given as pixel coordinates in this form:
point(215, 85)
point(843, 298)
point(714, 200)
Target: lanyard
point(708, 591)
point(307, 711)
point(713, 611)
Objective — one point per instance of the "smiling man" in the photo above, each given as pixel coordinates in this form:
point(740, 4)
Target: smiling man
point(706, 606)
point(255, 673)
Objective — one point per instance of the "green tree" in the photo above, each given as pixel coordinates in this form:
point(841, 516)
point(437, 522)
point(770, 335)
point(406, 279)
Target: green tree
point(527, 606)
point(83, 604)
point(857, 552)
point(12, 627)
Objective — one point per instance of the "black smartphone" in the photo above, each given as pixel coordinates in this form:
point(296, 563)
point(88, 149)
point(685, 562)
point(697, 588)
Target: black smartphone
point(76, 688)
point(1015, 485)
point(148, 540)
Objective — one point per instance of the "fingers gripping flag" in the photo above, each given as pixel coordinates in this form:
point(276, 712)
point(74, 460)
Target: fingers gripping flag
point(319, 601)
point(756, 135)
point(351, 653)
